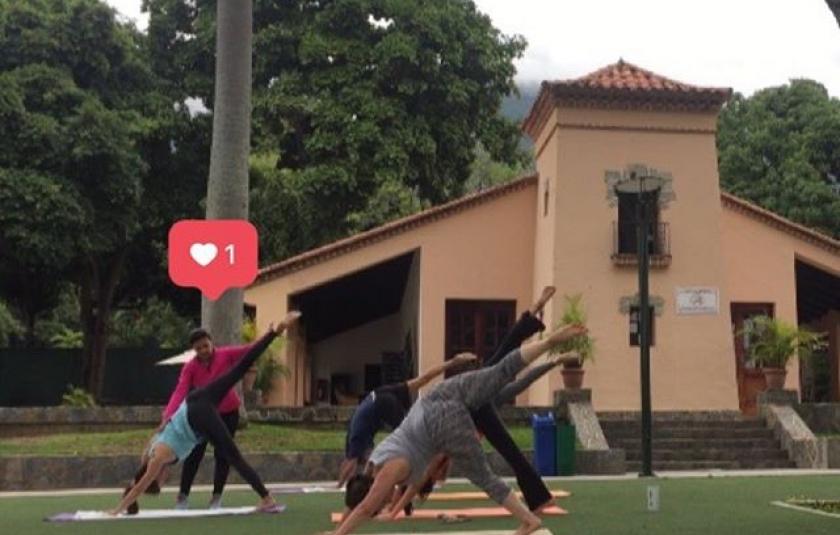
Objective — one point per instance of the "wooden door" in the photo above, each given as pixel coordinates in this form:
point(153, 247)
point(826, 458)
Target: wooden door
point(477, 326)
point(750, 378)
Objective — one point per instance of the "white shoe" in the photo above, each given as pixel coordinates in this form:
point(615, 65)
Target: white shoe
point(182, 503)
point(215, 502)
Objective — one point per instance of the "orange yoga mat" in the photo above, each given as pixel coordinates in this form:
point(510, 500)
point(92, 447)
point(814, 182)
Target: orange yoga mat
point(471, 512)
point(467, 496)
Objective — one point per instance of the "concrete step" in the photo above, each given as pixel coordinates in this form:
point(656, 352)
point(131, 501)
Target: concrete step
point(767, 454)
point(758, 464)
point(700, 434)
point(698, 444)
point(686, 424)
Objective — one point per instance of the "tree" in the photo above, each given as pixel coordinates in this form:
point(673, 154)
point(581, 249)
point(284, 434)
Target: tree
point(487, 173)
point(370, 108)
point(227, 187)
point(9, 325)
point(780, 148)
point(86, 122)
point(834, 6)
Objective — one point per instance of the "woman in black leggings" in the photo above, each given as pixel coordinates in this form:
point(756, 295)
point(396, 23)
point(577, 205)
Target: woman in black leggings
point(198, 420)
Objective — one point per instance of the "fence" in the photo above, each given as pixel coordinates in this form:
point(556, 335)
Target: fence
point(39, 377)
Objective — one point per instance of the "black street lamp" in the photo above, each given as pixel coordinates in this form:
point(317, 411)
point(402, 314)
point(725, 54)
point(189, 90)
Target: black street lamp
point(649, 185)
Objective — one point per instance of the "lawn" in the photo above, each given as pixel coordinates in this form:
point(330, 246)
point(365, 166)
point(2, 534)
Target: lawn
point(723, 506)
point(256, 438)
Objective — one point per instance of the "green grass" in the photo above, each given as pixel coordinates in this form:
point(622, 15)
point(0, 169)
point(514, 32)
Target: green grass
point(256, 438)
point(722, 506)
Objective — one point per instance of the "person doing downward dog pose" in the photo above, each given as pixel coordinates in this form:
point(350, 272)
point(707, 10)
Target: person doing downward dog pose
point(438, 469)
point(384, 407)
point(196, 420)
point(490, 425)
point(440, 423)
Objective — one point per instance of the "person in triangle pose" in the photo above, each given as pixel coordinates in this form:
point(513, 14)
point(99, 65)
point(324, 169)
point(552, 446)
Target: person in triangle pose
point(197, 420)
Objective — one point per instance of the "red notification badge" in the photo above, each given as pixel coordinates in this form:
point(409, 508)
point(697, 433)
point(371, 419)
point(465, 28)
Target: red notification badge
point(213, 255)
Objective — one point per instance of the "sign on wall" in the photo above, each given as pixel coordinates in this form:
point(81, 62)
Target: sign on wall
point(698, 300)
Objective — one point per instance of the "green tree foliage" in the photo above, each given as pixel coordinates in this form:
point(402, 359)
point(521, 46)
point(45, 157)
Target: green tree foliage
point(371, 108)
point(93, 161)
point(780, 148)
point(9, 325)
point(155, 323)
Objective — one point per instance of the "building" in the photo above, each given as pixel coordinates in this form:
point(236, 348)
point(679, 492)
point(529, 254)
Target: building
point(454, 278)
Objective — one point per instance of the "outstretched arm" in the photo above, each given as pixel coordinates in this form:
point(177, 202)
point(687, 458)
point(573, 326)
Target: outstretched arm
point(414, 385)
point(380, 491)
point(153, 469)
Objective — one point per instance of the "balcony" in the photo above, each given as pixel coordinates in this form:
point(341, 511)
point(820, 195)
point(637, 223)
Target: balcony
point(624, 245)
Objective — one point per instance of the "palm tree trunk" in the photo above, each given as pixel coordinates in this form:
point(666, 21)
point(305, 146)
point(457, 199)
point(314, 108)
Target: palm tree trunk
point(227, 187)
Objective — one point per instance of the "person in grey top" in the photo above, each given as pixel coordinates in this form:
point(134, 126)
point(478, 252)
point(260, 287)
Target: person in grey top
point(440, 424)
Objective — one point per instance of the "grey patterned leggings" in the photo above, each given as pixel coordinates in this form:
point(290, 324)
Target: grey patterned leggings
point(447, 415)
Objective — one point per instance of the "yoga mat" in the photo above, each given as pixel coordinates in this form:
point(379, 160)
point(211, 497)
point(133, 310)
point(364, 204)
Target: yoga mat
point(466, 496)
point(305, 490)
point(152, 514)
point(471, 512)
point(542, 531)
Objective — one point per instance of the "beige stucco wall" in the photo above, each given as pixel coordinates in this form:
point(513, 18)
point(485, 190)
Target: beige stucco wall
point(760, 267)
point(507, 248)
point(692, 361)
point(484, 252)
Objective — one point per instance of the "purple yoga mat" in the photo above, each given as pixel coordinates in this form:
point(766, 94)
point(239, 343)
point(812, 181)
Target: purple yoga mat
point(157, 514)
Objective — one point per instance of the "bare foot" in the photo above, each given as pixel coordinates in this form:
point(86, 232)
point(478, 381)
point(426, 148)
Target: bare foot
point(289, 320)
point(528, 528)
point(543, 507)
point(547, 293)
point(267, 505)
point(568, 333)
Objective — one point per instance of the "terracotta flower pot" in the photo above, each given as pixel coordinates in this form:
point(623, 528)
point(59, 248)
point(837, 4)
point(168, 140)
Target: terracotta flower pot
point(775, 378)
point(249, 380)
point(572, 377)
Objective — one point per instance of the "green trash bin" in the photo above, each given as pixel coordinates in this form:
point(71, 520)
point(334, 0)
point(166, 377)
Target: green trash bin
point(566, 441)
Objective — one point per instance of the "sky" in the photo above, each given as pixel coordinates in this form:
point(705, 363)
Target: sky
point(743, 44)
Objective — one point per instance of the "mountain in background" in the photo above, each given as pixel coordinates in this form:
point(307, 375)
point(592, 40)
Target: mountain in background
point(517, 107)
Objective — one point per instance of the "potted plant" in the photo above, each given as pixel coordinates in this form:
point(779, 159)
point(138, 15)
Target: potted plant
point(772, 343)
point(261, 376)
point(584, 346)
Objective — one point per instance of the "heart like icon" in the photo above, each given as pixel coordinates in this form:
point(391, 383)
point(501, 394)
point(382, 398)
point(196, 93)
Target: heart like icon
point(203, 253)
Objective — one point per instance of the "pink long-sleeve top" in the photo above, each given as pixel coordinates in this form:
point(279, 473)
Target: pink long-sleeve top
point(196, 374)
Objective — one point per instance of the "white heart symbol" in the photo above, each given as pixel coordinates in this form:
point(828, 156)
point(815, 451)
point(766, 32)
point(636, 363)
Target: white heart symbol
point(203, 253)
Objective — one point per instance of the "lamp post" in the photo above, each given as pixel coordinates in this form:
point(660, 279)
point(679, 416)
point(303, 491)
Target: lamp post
point(646, 183)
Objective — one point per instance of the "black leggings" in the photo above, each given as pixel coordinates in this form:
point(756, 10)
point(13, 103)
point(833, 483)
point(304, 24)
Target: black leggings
point(222, 469)
point(204, 418)
point(487, 421)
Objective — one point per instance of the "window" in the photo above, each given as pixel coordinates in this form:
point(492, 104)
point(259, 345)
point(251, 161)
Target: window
point(628, 204)
point(546, 197)
point(477, 326)
point(635, 326)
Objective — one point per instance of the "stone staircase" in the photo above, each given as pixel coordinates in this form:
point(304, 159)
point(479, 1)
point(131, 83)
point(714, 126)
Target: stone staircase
point(697, 441)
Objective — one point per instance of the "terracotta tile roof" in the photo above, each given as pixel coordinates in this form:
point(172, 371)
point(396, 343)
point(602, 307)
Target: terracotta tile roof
point(408, 223)
point(622, 85)
point(773, 219)
point(387, 230)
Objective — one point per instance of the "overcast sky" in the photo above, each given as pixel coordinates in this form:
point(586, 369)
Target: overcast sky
point(744, 44)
